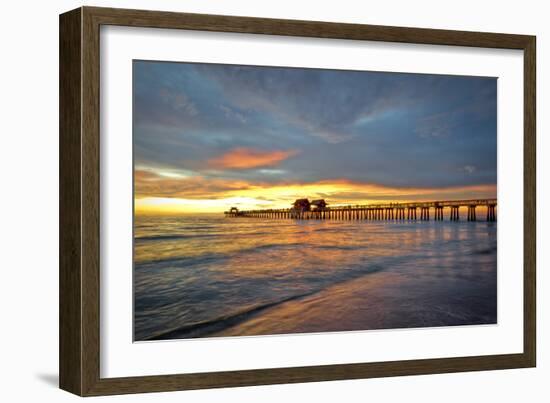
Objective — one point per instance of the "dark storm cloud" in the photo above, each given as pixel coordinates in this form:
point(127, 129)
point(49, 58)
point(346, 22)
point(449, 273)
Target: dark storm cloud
point(388, 128)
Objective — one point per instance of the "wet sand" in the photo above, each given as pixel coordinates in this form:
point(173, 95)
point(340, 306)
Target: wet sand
point(377, 301)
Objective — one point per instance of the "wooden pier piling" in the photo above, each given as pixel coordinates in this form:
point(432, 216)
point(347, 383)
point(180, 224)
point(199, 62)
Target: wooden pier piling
point(471, 213)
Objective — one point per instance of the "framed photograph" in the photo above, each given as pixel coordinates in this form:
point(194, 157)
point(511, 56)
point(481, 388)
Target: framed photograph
point(249, 201)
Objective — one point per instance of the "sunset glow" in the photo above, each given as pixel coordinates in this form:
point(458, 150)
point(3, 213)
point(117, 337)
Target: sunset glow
point(212, 137)
point(209, 198)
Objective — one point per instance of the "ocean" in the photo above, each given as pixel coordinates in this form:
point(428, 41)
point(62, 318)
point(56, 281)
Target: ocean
point(205, 275)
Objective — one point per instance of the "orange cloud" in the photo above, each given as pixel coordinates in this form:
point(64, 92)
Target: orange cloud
point(246, 158)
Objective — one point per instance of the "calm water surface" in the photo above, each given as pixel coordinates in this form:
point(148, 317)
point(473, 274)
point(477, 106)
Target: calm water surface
point(207, 275)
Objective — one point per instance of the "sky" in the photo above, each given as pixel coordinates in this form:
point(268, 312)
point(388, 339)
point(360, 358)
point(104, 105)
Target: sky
point(208, 137)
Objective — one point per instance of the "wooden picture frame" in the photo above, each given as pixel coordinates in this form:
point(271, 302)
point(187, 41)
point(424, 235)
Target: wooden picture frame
point(79, 346)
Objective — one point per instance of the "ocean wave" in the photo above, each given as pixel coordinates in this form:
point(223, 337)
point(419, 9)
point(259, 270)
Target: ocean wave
point(486, 251)
point(337, 247)
point(206, 327)
point(173, 237)
point(211, 326)
point(212, 257)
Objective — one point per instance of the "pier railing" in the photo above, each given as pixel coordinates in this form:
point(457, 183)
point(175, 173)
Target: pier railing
point(379, 211)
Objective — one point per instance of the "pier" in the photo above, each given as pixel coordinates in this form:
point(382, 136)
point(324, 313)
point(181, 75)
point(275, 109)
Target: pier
point(319, 210)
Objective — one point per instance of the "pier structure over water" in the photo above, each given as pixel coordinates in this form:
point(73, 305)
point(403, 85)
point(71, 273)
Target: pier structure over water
point(303, 210)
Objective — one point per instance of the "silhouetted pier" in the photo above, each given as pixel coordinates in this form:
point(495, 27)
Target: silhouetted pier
point(319, 210)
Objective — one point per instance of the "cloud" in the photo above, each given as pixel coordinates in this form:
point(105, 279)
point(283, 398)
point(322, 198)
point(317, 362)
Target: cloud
point(477, 104)
point(201, 193)
point(246, 158)
point(151, 184)
point(470, 169)
point(232, 114)
point(416, 130)
point(439, 125)
point(178, 101)
point(325, 104)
